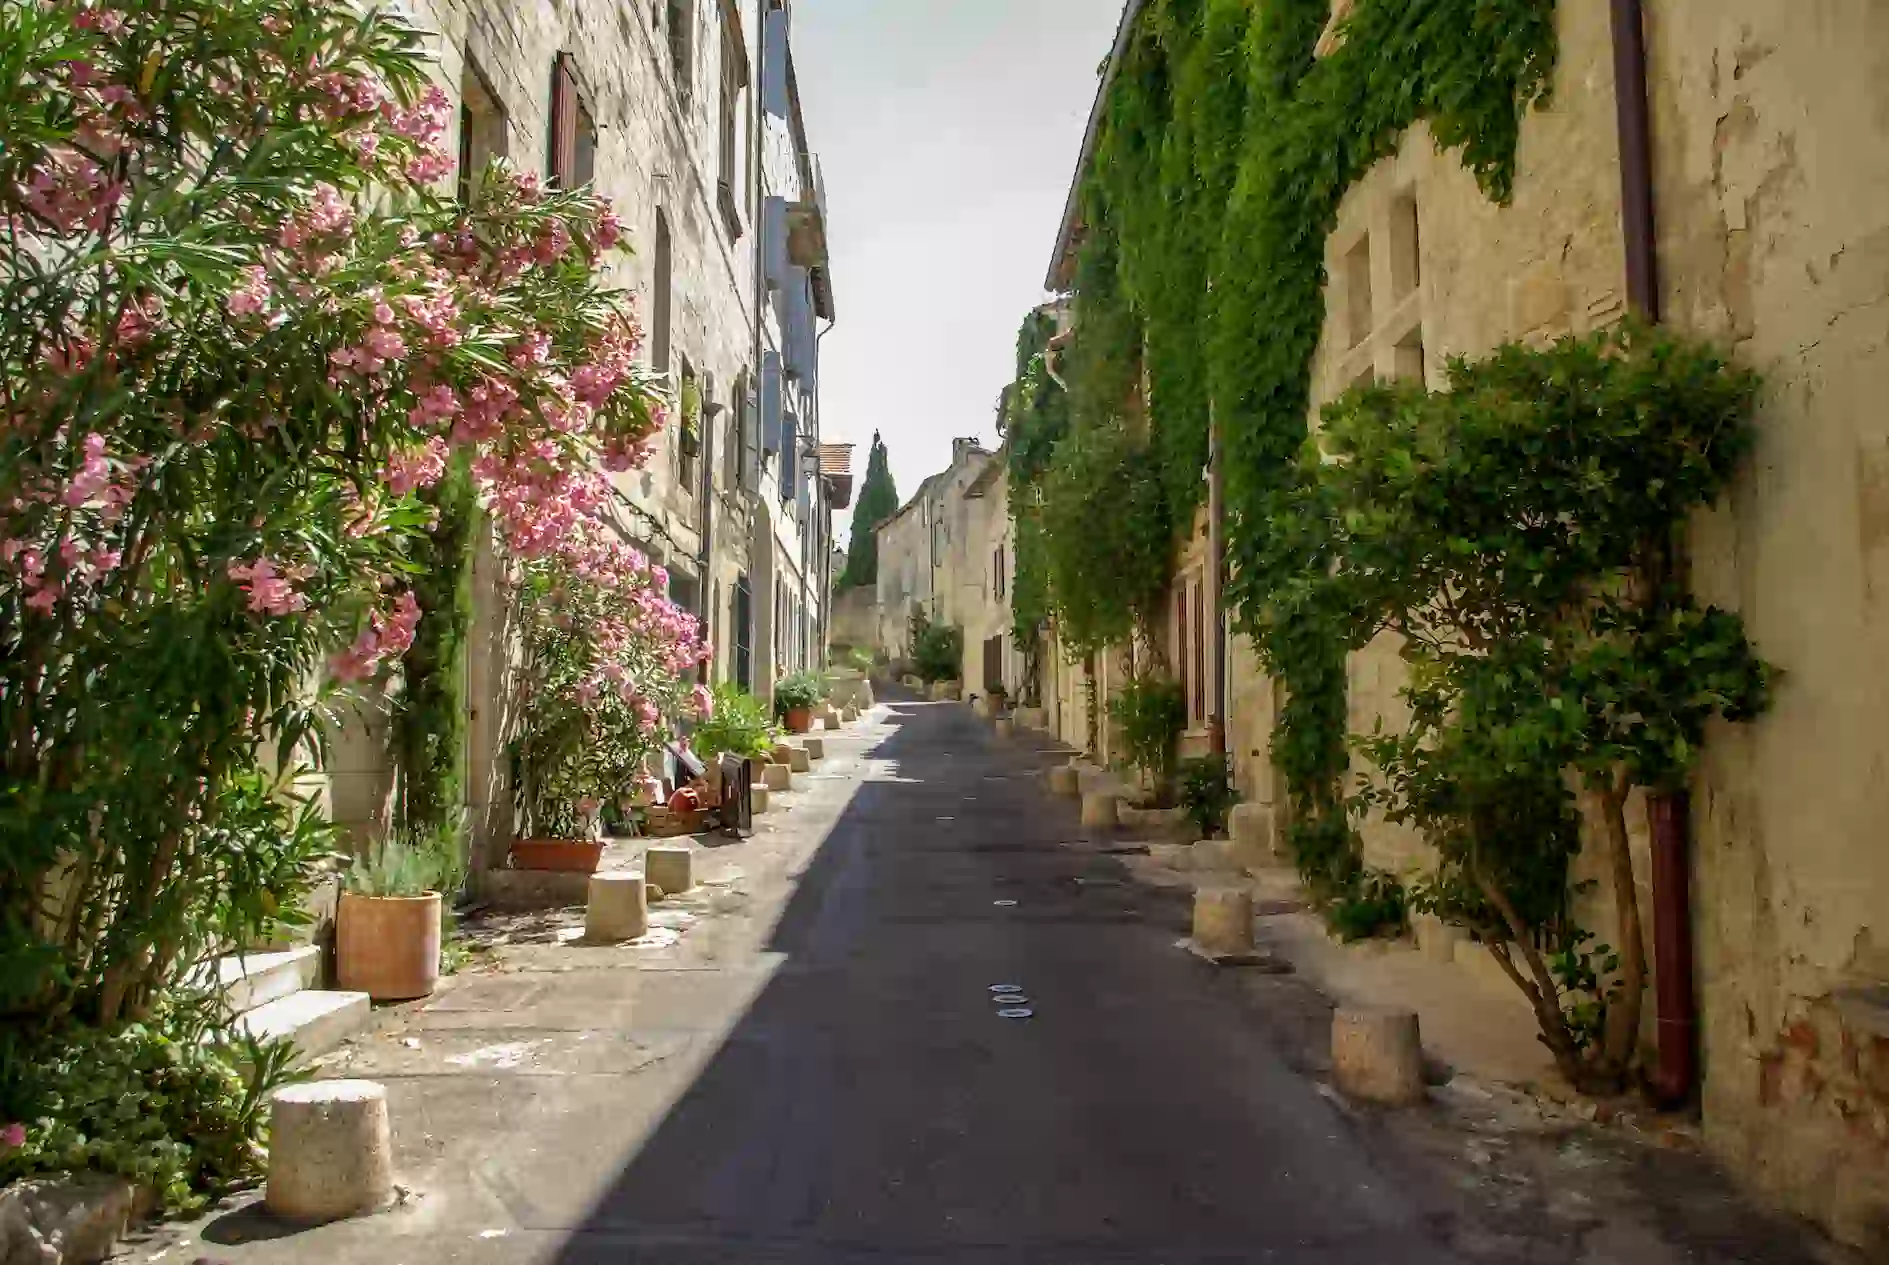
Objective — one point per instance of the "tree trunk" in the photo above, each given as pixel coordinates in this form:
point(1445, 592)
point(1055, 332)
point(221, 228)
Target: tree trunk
point(1622, 1036)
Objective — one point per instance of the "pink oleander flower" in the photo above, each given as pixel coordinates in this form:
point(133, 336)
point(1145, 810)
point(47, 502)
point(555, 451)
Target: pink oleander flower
point(13, 1137)
point(703, 701)
point(271, 592)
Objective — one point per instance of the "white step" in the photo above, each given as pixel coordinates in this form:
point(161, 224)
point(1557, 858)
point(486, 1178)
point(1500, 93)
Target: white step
point(249, 980)
point(315, 1021)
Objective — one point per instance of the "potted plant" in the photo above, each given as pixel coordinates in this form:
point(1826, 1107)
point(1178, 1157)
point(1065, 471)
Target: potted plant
point(794, 700)
point(388, 926)
point(595, 700)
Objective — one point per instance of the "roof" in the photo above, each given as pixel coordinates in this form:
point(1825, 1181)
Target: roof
point(1062, 264)
point(836, 469)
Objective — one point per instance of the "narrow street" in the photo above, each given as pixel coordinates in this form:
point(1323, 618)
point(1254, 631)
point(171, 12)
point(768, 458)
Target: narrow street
point(815, 1072)
point(812, 1070)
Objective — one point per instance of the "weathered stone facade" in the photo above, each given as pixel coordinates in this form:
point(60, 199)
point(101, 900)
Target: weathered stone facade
point(1771, 158)
point(689, 122)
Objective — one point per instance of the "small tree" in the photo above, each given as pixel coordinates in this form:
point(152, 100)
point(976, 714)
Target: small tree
point(878, 501)
point(1517, 531)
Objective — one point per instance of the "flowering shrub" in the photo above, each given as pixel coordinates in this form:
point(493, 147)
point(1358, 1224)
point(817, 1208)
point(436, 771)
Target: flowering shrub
point(609, 662)
point(239, 334)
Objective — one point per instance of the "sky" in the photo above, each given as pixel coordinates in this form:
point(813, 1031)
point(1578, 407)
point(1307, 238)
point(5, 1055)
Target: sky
point(948, 134)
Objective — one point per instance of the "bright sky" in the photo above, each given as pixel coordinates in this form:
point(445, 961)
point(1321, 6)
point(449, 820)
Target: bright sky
point(948, 134)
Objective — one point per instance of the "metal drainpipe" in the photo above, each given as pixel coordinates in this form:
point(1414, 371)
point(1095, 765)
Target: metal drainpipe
point(706, 569)
point(1675, 1073)
point(1215, 575)
point(825, 516)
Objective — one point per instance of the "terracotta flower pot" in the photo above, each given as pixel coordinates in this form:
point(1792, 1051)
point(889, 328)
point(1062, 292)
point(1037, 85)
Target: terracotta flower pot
point(799, 719)
point(388, 946)
point(571, 856)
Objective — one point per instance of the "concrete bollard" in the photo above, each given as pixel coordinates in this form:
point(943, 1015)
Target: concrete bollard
point(618, 909)
point(1063, 780)
point(850, 715)
point(816, 748)
point(672, 869)
point(757, 799)
point(1006, 727)
point(1223, 921)
point(778, 777)
point(1100, 810)
point(1377, 1054)
point(800, 761)
point(330, 1151)
point(783, 753)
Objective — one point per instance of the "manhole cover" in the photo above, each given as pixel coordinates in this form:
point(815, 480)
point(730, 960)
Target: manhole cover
point(1016, 1012)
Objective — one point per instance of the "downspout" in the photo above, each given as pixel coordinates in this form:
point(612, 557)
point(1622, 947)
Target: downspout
point(823, 541)
point(757, 209)
point(1675, 1073)
point(1216, 584)
point(706, 530)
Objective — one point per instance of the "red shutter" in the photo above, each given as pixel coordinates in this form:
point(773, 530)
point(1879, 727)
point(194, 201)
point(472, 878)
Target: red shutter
point(563, 123)
point(1200, 652)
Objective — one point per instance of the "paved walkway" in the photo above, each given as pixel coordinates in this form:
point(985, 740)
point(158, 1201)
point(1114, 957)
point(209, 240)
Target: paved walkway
point(814, 1071)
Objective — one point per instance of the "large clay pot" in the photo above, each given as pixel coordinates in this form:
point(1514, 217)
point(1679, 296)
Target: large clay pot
point(569, 856)
point(388, 946)
point(799, 719)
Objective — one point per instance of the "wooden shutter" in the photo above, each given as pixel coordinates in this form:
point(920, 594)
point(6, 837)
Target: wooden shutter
point(563, 123)
point(1200, 650)
point(1180, 639)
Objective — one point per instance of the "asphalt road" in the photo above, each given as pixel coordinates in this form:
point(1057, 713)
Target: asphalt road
point(872, 1104)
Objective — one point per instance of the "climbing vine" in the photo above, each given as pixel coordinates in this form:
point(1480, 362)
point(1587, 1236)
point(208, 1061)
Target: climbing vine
point(428, 733)
point(1225, 150)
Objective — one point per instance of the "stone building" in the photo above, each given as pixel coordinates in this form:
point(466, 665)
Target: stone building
point(925, 553)
point(1769, 173)
point(686, 115)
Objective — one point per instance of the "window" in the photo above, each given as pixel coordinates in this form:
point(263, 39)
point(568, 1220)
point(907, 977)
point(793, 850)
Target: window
point(1409, 354)
point(734, 81)
point(481, 130)
point(661, 300)
point(997, 572)
point(573, 134)
point(741, 628)
point(682, 45)
point(1406, 253)
point(1181, 660)
point(1358, 290)
point(688, 430)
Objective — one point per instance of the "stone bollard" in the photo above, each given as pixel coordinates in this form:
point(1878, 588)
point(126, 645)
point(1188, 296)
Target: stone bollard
point(672, 869)
point(1377, 1054)
point(618, 909)
point(1006, 727)
point(1100, 810)
point(757, 799)
point(1223, 921)
point(783, 753)
point(778, 777)
point(799, 760)
point(850, 715)
point(1063, 780)
point(816, 748)
point(330, 1151)
point(1250, 826)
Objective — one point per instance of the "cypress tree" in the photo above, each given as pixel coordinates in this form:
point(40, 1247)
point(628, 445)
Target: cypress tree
point(878, 501)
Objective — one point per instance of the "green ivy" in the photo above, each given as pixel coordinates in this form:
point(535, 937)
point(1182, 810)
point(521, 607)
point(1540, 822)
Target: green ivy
point(1151, 711)
point(1224, 153)
point(428, 734)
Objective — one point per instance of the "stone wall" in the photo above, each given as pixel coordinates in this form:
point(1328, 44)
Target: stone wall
point(1772, 162)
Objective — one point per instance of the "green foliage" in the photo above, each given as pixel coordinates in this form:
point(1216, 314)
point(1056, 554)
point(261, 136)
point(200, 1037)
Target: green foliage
point(878, 501)
point(1224, 152)
point(1517, 531)
point(797, 691)
point(411, 862)
point(429, 723)
point(1374, 904)
point(856, 658)
point(739, 726)
point(1151, 712)
point(1106, 536)
point(165, 1103)
point(1207, 793)
point(937, 649)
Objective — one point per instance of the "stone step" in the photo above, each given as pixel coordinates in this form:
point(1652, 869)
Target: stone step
point(315, 1021)
point(249, 980)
